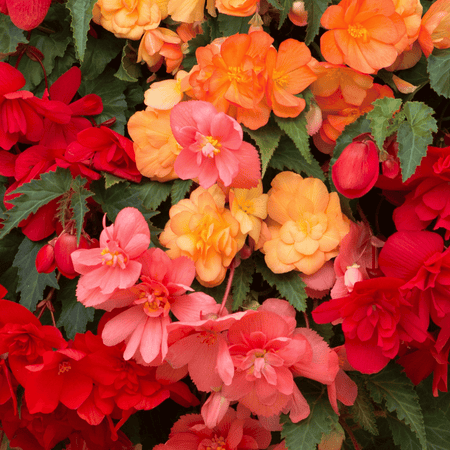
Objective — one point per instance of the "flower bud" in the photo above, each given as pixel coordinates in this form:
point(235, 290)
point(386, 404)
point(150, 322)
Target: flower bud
point(64, 246)
point(45, 259)
point(356, 170)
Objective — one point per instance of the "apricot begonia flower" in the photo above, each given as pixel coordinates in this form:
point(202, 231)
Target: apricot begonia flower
point(363, 34)
point(240, 8)
point(298, 15)
point(114, 264)
point(411, 13)
point(190, 11)
point(306, 224)
point(155, 148)
point(202, 229)
point(212, 147)
point(435, 27)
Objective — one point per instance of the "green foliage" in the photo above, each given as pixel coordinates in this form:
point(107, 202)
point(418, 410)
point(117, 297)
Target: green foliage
point(296, 129)
point(8, 248)
point(381, 118)
point(111, 180)
point(111, 90)
point(229, 25)
point(439, 70)
point(287, 157)
point(243, 276)
point(10, 35)
point(394, 387)
point(31, 284)
point(315, 9)
point(283, 6)
point(74, 315)
point(267, 139)
point(35, 194)
point(78, 203)
point(128, 70)
point(153, 193)
point(362, 411)
point(99, 52)
point(417, 75)
point(414, 135)
point(290, 286)
point(179, 190)
point(306, 434)
point(81, 13)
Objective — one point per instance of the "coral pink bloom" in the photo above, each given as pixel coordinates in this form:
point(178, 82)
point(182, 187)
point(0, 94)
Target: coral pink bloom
point(144, 325)
point(114, 265)
point(213, 147)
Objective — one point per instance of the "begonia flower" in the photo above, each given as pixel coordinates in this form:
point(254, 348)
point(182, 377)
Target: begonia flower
point(190, 11)
point(212, 147)
point(241, 8)
point(298, 15)
point(435, 27)
point(115, 264)
point(202, 229)
point(362, 34)
point(26, 14)
point(306, 224)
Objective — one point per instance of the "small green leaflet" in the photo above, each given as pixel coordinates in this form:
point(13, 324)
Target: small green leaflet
point(381, 118)
point(35, 194)
point(393, 386)
point(315, 10)
point(111, 180)
point(153, 193)
point(296, 129)
point(414, 136)
point(179, 190)
point(290, 286)
point(230, 25)
point(81, 14)
point(362, 410)
point(243, 276)
point(31, 283)
point(283, 6)
point(10, 35)
point(74, 315)
point(439, 70)
point(128, 71)
point(78, 203)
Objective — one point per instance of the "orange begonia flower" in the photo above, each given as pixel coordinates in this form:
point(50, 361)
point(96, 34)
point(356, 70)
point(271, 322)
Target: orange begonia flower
point(190, 11)
point(239, 8)
point(363, 34)
point(129, 19)
point(435, 27)
point(411, 13)
point(155, 147)
point(288, 75)
point(298, 15)
point(202, 229)
point(306, 224)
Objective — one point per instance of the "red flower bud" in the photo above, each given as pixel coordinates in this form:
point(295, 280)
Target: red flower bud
point(64, 246)
point(356, 170)
point(45, 259)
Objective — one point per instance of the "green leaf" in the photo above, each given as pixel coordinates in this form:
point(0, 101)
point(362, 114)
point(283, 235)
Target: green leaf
point(315, 10)
point(35, 194)
point(10, 35)
point(417, 75)
point(74, 315)
point(243, 276)
point(229, 25)
point(439, 70)
point(393, 386)
point(381, 117)
point(267, 139)
point(402, 434)
point(8, 249)
point(296, 129)
point(306, 434)
point(437, 427)
point(78, 203)
point(414, 135)
point(362, 411)
point(290, 286)
point(9, 280)
point(31, 283)
point(99, 52)
point(128, 71)
point(153, 193)
point(287, 157)
point(179, 190)
point(81, 12)
point(111, 90)
point(111, 180)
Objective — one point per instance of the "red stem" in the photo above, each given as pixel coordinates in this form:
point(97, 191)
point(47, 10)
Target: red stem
point(350, 434)
point(229, 283)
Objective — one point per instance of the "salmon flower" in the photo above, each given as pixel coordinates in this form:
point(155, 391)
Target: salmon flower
point(411, 13)
point(202, 229)
point(298, 15)
point(129, 19)
point(212, 147)
point(288, 75)
point(240, 8)
point(155, 148)
point(435, 27)
point(306, 224)
point(362, 34)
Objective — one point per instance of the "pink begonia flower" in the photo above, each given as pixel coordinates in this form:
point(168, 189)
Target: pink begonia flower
point(114, 264)
point(143, 326)
point(212, 147)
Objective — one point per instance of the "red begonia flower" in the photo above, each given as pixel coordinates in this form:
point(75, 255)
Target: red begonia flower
point(27, 14)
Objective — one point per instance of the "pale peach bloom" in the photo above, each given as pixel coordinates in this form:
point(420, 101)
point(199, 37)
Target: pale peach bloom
point(411, 13)
point(305, 222)
point(249, 208)
point(435, 27)
point(188, 31)
point(239, 8)
point(189, 11)
point(202, 229)
point(298, 15)
point(155, 147)
point(129, 19)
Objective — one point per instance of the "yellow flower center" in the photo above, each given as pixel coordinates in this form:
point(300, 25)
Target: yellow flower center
point(310, 225)
point(211, 147)
point(280, 78)
point(247, 206)
point(207, 337)
point(204, 231)
point(113, 258)
point(64, 367)
point(217, 443)
point(357, 31)
point(236, 74)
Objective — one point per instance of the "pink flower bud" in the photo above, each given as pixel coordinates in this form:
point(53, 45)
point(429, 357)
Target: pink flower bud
point(64, 246)
point(352, 275)
point(356, 170)
point(45, 259)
